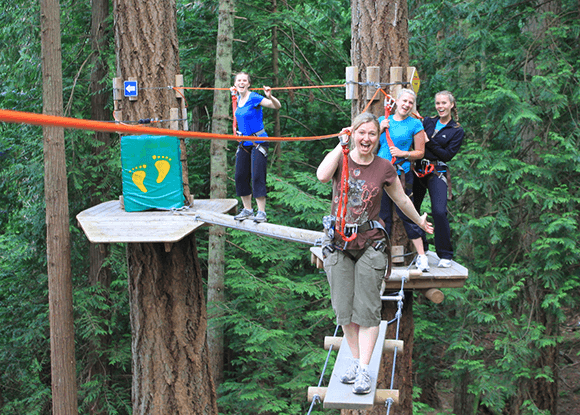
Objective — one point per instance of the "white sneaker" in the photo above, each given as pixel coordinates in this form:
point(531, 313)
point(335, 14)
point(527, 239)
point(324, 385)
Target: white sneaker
point(444, 263)
point(422, 263)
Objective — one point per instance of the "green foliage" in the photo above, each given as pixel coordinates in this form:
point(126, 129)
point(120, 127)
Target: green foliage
point(515, 219)
point(513, 67)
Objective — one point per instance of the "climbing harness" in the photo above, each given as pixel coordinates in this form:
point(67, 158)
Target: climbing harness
point(425, 167)
point(382, 245)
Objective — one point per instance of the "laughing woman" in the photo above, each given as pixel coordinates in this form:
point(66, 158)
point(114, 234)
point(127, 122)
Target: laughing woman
point(355, 271)
point(405, 132)
point(251, 156)
point(445, 138)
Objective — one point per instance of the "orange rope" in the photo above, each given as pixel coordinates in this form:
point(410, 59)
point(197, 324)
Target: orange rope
point(273, 88)
point(343, 199)
point(19, 117)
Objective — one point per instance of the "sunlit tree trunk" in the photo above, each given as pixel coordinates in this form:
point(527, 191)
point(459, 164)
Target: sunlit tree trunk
point(171, 371)
point(99, 274)
point(62, 345)
point(221, 124)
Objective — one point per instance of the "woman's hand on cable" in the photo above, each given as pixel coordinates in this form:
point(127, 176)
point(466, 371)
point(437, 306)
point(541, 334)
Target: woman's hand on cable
point(426, 226)
point(233, 90)
point(268, 92)
point(344, 135)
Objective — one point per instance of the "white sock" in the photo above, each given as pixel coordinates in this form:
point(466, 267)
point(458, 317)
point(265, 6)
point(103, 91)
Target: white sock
point(364, 367)
point(356, 361)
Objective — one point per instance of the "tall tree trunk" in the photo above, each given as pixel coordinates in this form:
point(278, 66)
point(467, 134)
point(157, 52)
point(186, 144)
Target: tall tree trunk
point(62, 346)
point(275, 73)
point(171, 373)
point(221, 124)
point(379, 37)
point(99, 274)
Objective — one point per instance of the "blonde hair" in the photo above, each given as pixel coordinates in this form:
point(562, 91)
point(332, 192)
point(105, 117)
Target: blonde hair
point(363, 119)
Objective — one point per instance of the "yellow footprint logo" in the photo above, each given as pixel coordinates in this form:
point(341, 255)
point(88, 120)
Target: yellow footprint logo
point(162, 165)
point(138, 177)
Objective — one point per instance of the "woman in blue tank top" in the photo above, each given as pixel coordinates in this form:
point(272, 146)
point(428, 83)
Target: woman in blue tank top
point(251, 156)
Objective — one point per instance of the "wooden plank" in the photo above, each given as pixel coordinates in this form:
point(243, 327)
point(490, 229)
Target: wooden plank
point(389, 344)
point(286, 233)
point(453, 277)
point(351, 90)
point(380, 397)
point(339, 395)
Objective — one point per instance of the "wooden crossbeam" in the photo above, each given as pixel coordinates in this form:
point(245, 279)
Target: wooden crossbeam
point(381, 395)
point(388, 346)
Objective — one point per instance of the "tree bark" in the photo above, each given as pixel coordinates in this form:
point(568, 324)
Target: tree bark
point(99, 274)
point(221, 123)
point(171, 373)
point(62, 346)
point(379, 37)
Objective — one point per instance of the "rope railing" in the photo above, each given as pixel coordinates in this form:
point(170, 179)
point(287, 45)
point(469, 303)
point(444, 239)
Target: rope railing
point(19, 117)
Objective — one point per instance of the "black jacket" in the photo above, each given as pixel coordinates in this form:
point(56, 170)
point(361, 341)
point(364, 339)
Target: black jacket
point(445, 144)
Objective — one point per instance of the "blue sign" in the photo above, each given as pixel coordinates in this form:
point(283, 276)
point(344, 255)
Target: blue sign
point(130, 88)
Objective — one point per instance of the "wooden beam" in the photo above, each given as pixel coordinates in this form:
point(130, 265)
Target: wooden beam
point(381, 395)
point(351, 90)
point(396, 76)
point(434, 295)
point(374, 76)
point(388, 346)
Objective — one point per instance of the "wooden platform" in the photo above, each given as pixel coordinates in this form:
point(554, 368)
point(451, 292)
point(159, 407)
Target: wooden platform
point(452, 277)
point(109, 223)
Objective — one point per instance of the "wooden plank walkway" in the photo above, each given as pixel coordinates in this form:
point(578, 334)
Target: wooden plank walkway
point(339, 395)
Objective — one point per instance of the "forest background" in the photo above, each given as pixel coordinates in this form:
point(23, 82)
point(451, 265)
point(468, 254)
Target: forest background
point(513, 67)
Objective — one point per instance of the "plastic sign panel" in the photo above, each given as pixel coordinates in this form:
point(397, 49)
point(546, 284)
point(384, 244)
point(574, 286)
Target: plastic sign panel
point(131, 88)
point(416, 82)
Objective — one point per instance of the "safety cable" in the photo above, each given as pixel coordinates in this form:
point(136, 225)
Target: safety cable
point(316, 397)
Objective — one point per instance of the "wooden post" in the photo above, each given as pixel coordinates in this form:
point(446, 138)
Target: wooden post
point(396, 76)
point(351, 90)
point(180, 95)
point(374, 76)
point(397, 253)
point(117, 96)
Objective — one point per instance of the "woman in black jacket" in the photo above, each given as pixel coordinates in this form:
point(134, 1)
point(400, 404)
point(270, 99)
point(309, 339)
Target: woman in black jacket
point(445, 136)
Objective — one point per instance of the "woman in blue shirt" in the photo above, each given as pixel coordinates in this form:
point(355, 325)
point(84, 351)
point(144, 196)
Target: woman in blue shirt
point(405, 131)
point(251, 156)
